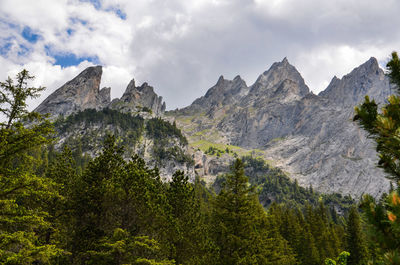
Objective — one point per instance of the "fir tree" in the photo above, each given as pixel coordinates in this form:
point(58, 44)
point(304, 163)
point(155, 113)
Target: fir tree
point(356, 244)
point(243, 232)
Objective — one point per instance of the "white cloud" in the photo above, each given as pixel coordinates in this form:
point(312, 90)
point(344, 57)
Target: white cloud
point(181, 47)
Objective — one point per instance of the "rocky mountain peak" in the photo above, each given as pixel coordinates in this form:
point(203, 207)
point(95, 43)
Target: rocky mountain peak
point(366, 79)
point(224, 92)
point(83, 92)
point(221, 79)
point(267, 84)
point(80, 93)
point(139, 98)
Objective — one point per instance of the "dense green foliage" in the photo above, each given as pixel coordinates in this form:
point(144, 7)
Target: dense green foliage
point(106, 116)
point(341, 260)
point(24, 221)
point(92, 124)
point(158, 128)
point(243, 231)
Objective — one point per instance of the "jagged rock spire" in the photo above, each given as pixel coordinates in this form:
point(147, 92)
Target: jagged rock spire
point(136, 99)
point(80, 93)
point(281, 79)
point(366, 79)
point(83, 92)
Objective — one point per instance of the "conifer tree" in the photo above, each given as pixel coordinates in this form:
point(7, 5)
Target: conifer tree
point(384, 127)
point(242, 231)
point(355, 244)
point(186, 233)
point(24, 220)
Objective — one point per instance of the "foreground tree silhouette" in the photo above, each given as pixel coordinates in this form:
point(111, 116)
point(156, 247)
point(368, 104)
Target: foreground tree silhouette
point(243, 231)
point(384, 128)
point(23, 218)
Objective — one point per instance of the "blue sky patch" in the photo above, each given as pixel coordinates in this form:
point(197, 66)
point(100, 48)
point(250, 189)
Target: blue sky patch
point(5, 48)
point(75, 20)
point(29, 35)
point(120, 13)
point(70, 59)
point(70, 31)
point(23, 50)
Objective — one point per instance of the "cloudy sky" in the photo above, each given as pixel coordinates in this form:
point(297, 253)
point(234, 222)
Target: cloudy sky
point(181, 47)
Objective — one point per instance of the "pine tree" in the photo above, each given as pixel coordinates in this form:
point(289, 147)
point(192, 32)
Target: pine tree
point(90, 198)
point(355, 239)
point(243, 232)
point(186, 233)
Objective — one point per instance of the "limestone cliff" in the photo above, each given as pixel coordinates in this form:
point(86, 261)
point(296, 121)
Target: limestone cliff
point(83, 92)
point(80, 93)
point(137, 99)
point(311, 137)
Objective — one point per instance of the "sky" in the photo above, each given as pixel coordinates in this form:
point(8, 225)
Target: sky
point(181, 47)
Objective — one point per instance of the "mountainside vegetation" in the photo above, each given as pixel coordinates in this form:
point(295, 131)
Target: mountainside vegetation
point(86, 130)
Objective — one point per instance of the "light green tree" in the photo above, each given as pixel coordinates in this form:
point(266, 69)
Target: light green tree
point(23, 217)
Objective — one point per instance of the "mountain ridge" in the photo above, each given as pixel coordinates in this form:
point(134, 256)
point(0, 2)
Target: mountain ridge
point(309, 136)
point(83, 92)
point(278, 118)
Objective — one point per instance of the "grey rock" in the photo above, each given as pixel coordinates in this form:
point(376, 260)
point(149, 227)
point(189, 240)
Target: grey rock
point(311, 137)
point(367, 79)
point(278, 81)
point(136, 99)
point(105, 96)
point(83, 92)
point(80, 93)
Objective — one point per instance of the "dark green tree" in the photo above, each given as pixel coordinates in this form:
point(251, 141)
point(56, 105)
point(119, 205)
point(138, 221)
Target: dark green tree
point(243, 232)
point(355, 241)
point(188, 233)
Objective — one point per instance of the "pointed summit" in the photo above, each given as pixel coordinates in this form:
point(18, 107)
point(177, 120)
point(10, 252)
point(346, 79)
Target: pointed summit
point(270, 80)
point(366, 79)
point(223, 93)
point(220, 80)
point(80, 93)
point(137, 99)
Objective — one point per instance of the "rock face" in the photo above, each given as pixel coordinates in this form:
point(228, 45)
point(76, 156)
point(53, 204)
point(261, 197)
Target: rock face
point(80, 93)
point(225, 92)
point(83, 92)
point(312, 137)
point(140, 98)
point(367, 79)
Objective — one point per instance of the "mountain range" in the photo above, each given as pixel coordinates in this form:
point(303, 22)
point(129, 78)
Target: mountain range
point(310, 137)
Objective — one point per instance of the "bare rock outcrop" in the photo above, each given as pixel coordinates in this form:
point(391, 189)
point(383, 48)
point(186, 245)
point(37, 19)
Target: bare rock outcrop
point(137, 99)
point(311, 137)
point(80, 93)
